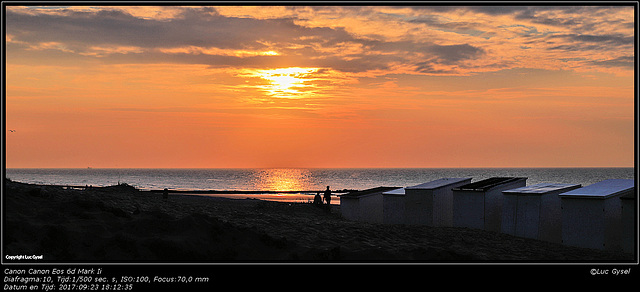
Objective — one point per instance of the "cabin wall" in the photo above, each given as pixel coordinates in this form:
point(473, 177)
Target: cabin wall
point(551, 217)
point(628, 225)
point(393, 209)
point(493, 204)
point(371, 208)
point(443, 204)
point(350, 209)
point(468, 209)
point(419, 207)
point(583, 223)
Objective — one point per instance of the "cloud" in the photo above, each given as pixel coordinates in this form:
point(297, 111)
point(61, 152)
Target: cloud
point(612, 39)
point(429, 39)
point(451, 54)
point(194, 37)
point(595, 45)
point(209, 36)
point(447, 55)
point(626, 62)
point(112, 27)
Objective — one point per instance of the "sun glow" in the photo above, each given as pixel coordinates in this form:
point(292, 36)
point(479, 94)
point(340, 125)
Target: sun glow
point(290, 82)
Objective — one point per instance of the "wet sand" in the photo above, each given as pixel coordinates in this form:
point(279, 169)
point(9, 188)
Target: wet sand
point(121, 224)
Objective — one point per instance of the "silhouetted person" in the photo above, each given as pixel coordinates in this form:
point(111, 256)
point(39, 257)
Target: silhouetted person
point(317, 200)
point(165, 194)
point(327, 195)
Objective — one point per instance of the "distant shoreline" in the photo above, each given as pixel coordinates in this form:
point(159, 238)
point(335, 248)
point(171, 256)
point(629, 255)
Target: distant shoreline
point(232, 194)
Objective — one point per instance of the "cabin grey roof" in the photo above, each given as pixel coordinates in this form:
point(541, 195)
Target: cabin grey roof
point(367, 192)
point(602, 190)
point(443, 182)
point(396, 192)
point(542, 188)
point(487, 184)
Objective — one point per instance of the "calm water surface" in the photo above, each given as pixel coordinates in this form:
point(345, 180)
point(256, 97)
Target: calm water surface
point(301, 179)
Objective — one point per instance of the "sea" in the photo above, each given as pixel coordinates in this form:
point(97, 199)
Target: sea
point(299, 179)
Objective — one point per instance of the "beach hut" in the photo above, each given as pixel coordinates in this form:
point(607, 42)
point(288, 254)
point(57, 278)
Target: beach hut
point(628, 222)
point(393, 206)
point(534, 211)
point(479, 204)
point(592, 215)
point(431, 203)
point(365, 205)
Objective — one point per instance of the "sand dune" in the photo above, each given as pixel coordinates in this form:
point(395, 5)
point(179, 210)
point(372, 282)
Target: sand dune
point(122, 224)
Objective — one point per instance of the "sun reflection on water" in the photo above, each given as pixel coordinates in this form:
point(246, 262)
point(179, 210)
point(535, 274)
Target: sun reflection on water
point(282, 179)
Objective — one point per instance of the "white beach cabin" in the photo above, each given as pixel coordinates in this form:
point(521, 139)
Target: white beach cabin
point(629, 223)
point(592, 215)
point(534, 211)
point(479, 204)
point(431, 203)
point(365, 205)
point(393, 206)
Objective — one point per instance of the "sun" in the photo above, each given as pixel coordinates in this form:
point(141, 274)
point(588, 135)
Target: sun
point(292, 82)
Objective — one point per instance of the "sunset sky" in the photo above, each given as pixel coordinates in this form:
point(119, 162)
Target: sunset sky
point(319, 86)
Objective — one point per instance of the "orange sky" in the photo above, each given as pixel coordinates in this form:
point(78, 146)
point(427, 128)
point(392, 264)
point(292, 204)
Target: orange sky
point(275, 86)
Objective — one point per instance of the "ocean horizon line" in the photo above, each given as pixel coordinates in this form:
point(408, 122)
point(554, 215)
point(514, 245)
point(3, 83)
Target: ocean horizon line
point(246, 168)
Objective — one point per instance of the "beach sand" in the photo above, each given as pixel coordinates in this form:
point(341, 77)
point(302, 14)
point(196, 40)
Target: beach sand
point(124, 225)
